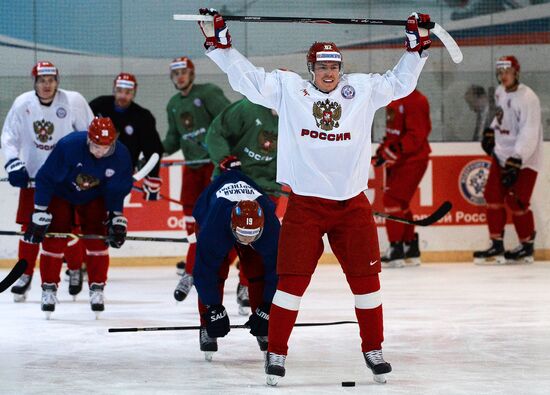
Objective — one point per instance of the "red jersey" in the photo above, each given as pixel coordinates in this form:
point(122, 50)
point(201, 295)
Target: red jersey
point(408, 121)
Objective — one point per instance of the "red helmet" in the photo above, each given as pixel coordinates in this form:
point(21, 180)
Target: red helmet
point(44, 68)
point(102, 131)
point(125, 80)
point(247, 221)
point(182, 62)
point(508, 61)
point(323, 52)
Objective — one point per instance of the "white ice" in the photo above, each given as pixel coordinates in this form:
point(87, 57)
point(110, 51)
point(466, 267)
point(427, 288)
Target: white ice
point(450, 329)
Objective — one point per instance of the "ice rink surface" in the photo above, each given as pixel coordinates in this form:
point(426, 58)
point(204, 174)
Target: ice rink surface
point(450, 329)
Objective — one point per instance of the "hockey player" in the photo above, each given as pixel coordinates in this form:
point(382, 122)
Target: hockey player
point(136, 127)
point(233, 212)
point(37, 120)
point(190, 112)
point(514, 141)
point(89, 173)
point(246, 133)
point(324, 147)
point(405, 154)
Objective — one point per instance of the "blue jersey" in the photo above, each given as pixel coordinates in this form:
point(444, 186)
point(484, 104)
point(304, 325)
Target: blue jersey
point(72, 173)
point(214, 241)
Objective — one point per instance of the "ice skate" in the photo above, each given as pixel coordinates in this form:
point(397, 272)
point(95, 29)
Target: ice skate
point(97, 301)
point(522, 254)
point(274, 368)
point(49, 299)
point(243, 300)
point(394, 256)
point(375, 362)
point(494, 255)
point(180, 268)
point(184, 287)
point(75, 282)
point(208, 344)
point(412, 252)
point(21, 288)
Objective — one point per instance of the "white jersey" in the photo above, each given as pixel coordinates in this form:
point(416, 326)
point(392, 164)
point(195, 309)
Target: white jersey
point(31, 130)
point(324, 141)
point(518, 126)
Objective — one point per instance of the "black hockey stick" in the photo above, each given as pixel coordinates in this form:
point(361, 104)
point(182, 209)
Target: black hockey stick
point(13, 275)
point(185, 162)
point(429, 220)
point(190, 328)
point(446, 39)
point(135, 187)
point(190, 239)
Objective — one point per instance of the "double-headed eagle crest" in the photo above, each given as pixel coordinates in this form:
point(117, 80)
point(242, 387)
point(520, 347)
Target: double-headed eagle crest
point(43, 130)
point(327, 114)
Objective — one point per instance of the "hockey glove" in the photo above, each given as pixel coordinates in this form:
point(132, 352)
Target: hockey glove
point(259, 321)
point(417, 38)
point(510, 173)
point(388, 154)
point(116, 234)
point(488, 141)
point(216, 32)
point(230, 162)
point(40, 221)
point(151, 188)
point(17, 173)
point(217, 321)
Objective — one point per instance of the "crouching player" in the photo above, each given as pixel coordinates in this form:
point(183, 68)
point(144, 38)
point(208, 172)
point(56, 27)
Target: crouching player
point(234, 212)
point(89, 173)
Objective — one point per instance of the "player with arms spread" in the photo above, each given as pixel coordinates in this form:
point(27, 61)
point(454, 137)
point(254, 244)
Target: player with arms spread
point(233, 212)
point(89, 173)
point(324, 148)
point(514, 141)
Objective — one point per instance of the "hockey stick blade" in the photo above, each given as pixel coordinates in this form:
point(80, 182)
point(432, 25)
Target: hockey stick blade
point(449, 43)
point(146, 169)
point(13, 275)
point(189, 239)
point(431, 219)
point(194, 327)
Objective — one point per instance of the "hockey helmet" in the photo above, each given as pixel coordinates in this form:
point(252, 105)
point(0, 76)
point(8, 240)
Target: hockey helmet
point(102, 131)
point(182, 62)
point(323, 52)
point(44, 68)
point(247, 221)
point(508, 61)
point(126, 81)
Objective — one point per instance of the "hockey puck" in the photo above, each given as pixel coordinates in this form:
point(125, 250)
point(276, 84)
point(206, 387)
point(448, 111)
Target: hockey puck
point(348, 383)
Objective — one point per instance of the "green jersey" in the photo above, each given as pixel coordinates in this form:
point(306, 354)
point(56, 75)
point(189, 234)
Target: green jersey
point(249, 132)
point(189, 117)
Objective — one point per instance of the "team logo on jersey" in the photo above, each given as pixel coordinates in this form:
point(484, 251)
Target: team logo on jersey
point(267, 140)
point(61, 113)
point(129, 130)
point(186, 120)
point(197, 102)
point(348, 92)
point(43, 130)
point(472, 180)
point(499, 114)
point(109, 173)
point(85, 182)
point(327, 114)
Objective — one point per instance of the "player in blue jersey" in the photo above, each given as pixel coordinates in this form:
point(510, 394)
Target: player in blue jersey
point(87, 173)
point(233, 212)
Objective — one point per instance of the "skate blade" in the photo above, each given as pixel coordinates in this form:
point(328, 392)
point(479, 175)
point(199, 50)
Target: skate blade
point(18, 298)
point(244, 310)
point(380, 378)
point(397, 264)
point(208, 355)
point(272, 380)
point(499, 260)
point(97, 313)
point(74, 298)
point(522, 261)
point(411, 262)
point(48, 314)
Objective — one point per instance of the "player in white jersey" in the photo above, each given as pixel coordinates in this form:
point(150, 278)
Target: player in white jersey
point(37, 120)
point(514, 141)
point(324, 151)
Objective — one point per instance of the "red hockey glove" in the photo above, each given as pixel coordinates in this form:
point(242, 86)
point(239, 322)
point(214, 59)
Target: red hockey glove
point(216, 32)
point(388, 154)
point(417, 38)
point(510, 172)
point(488, 141)
point(230, 162)
point(151, 188)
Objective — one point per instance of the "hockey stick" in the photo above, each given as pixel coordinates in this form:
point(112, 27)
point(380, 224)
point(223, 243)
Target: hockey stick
point(189, 239)
point(185, 162)
point(429, 220)
point(446, 39)
point(135, 187)
point(189, 328)
point(13, 275)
